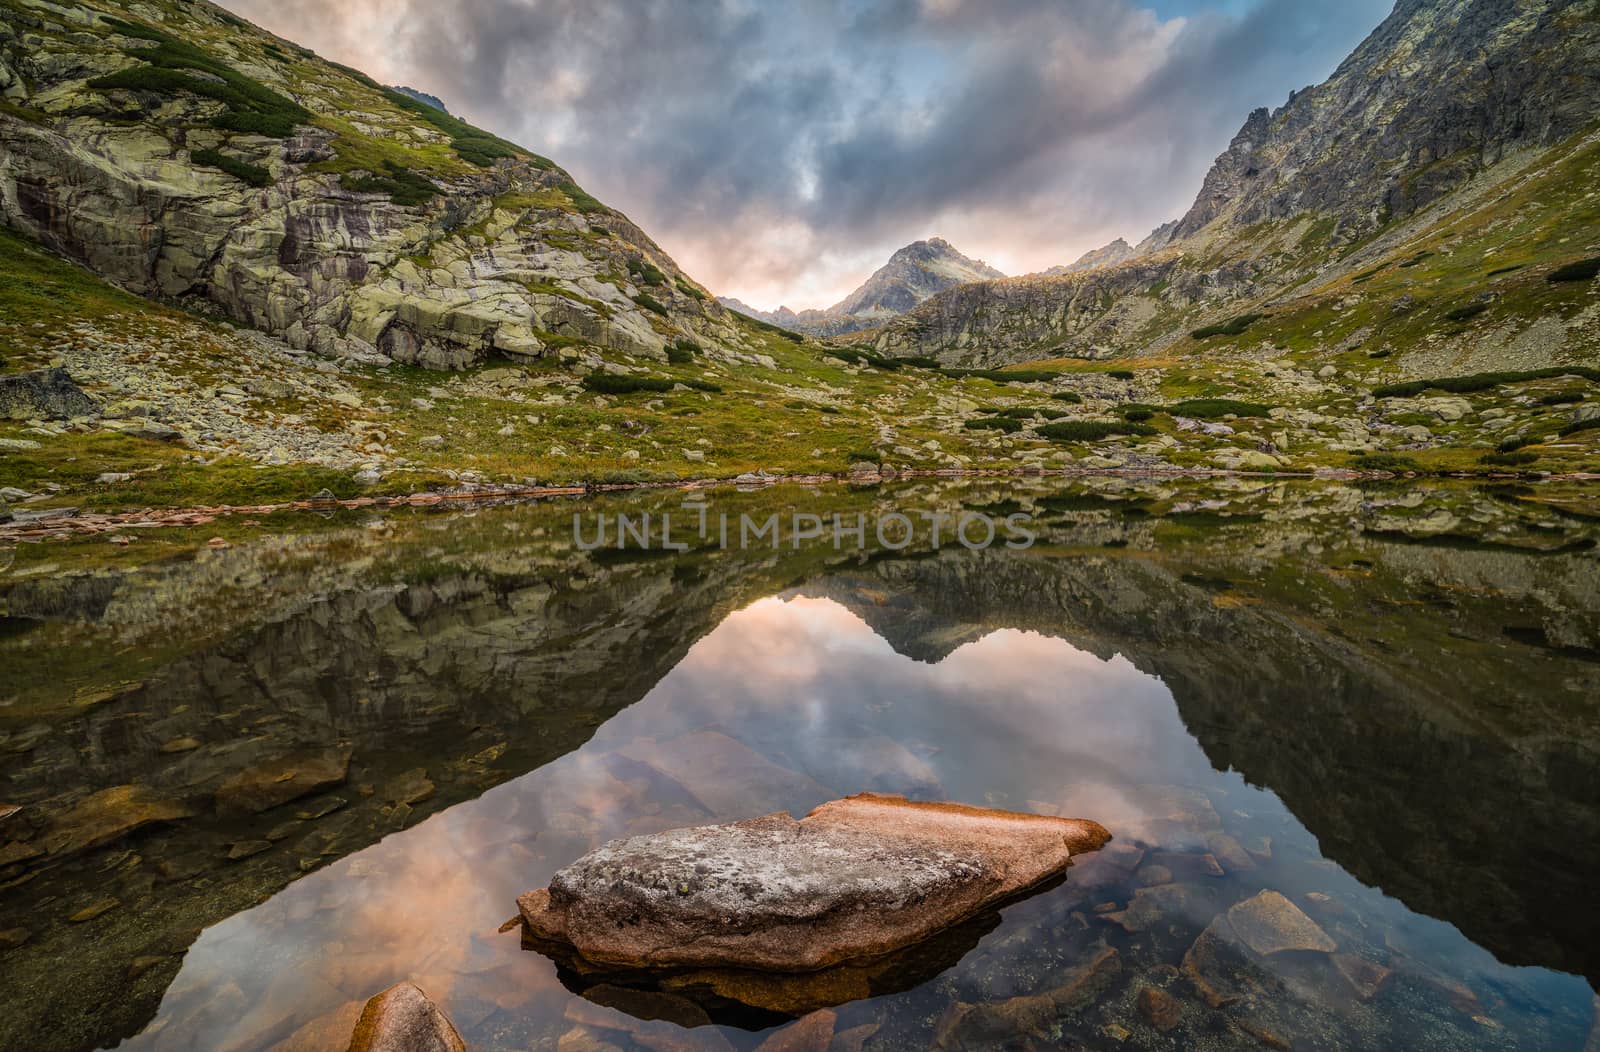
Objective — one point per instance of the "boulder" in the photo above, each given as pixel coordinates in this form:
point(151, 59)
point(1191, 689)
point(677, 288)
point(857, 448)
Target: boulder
point(46, 393)
point(109, 815)
point(281, 779)
point(855, 878)
point(402, 1019)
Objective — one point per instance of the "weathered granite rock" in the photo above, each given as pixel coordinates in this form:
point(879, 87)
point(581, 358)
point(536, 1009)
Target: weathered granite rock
point(986, 1026)
point(402, 1019)
point(854, 878)
point(47, 393)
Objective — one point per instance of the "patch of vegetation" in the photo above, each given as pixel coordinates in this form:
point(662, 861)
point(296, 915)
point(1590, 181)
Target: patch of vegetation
point(1211, 408)
point(647, 272)
point(702, 385)
point(1121, 374)
point(1070, 397)
point(921, 361)
point(1511, 445)
point(690, 291)
point(1003, 376)
point(1482, 381)
point(1137, 413)
point(871, 456)
point(1470, 311)
point(251, 106)
point(582, 202)
point(1417, 259)
point(610, 383)
point(1582, 270)
point(650, 303)
point(682, 352)
point(1093, 430)
point(1385, 462)
point(1007, 424)
point(250, 174)
point(473, 145)
point(1368, 275)
point(1561, 398)
point(1580, 425)
point(1497, 271)
point(1508, 460)
point(404, 186)
point(855, 357)
point(1231, 327)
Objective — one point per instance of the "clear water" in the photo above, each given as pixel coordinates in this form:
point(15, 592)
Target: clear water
point(1358, 724)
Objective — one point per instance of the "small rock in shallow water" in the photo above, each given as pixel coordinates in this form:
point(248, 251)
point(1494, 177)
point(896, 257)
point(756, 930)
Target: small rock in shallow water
point(1159, 1008)
point(402, 1019)
point(277, 781)
point(1270, 923)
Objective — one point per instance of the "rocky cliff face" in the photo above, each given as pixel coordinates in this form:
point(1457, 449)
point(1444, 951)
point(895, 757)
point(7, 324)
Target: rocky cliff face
point(913, 274)
point(1437, 111)
point(186, 155)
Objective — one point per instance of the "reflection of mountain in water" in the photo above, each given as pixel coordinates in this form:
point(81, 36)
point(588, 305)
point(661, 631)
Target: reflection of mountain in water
point(487, 665)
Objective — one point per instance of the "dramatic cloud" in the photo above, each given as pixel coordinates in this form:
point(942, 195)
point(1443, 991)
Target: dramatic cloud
point(780, 152)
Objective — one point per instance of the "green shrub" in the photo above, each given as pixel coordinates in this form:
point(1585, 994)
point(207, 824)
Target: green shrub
point(647, 272)
point(994, 423)
point(690, 291)
point(1470, 311)
point(1579, 425)
point(244, 171)
point(610, 383)
point(404, 186)
point(1582, 270)
point(682, 352)
point(1483, 381)
point(1418, 258)
point(1384, 462)
point(1210, 408)
point(473, 145)
point(1093, 430)
point(1121, 374)
point(1137, 415)
point(1368, 275)
point(855, 357)
point(1561, 398)
point(1028, 413)
point(1497, 271)
point(1072, 397)
point(1231, 327)
point(921, 361)
point(251, 106)
point(582, 201)
point(650, 303)
point(871, 456)
point(1508, 460)
point(1003, 376)
point(702, 385)
point(1511, 445)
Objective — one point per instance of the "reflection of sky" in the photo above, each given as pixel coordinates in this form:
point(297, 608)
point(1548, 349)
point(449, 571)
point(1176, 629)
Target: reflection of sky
point(787, 703)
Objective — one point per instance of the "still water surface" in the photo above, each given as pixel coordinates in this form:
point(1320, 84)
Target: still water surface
point(1346, 718)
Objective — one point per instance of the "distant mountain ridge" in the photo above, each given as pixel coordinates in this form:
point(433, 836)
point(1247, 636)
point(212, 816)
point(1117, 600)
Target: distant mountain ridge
point(913, 274)
point(1418, 119)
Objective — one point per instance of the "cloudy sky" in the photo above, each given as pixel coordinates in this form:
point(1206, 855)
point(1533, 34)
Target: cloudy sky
point(780, 151)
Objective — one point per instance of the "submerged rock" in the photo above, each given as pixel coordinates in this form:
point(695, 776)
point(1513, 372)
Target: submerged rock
point(110, 815)
point(402, 1019)
point(854, 878)
point(277, 781)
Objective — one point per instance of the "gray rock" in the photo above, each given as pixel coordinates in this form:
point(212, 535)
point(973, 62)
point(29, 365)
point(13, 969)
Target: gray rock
point(46, 393)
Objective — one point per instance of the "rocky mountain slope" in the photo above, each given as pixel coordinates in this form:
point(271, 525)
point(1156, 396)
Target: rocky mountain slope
point(184, 154)
point(1410, 152)
point(913, 274)
point(1104, 256)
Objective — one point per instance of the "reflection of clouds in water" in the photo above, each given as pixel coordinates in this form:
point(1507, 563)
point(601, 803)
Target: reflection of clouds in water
point(799, 687)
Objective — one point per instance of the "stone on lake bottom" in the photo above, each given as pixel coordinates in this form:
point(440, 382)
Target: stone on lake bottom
point(987, 1026)
point(402, 1019)
point(1159, 1008)
point(110, 815)
point(277, 781)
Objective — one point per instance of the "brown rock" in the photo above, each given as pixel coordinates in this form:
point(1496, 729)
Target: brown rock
point(11, 938)
point(1159, 1008)
point(855, 1038)
point(110, 815)
point(402, 1019)
point(1150, 906)
point(412, 787)
point(1214, 965)
point(246, 848)
point(580, 1039)
point(810, 1033)
point(17, 851)
point(277, 781)
point(1269, 923)
point(328, 1031)
point(1230, 853)
point(1151, 876)
point(987, 1026)
point(89, 913)
point(656, 1034)
point(1366, 978)
point(854, 878)
point(8, 810)
point(181, 745)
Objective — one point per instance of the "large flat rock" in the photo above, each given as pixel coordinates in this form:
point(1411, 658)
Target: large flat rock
point(855, 878)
